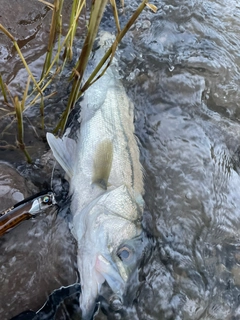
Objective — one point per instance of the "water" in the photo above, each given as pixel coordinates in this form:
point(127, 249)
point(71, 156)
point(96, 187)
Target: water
point(180, 66)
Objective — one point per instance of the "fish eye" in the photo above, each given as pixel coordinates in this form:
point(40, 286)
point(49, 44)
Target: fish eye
point(46, 199)
point(124, 253)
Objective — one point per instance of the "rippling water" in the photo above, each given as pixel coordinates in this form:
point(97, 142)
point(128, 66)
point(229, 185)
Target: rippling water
point(180, 66)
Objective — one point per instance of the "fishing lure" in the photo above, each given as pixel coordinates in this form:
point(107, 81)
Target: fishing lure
point(25, 209)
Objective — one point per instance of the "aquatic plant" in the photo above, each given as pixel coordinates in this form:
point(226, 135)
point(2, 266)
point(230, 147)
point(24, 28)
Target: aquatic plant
point(52, 67)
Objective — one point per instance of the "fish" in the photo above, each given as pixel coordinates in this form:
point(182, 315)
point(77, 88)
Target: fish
point(106, 185)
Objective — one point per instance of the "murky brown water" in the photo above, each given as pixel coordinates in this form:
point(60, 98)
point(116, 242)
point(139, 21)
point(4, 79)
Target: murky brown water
point(181, 68)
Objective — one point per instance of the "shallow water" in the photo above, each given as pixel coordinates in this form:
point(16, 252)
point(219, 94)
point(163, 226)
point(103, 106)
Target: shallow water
point(181, 68)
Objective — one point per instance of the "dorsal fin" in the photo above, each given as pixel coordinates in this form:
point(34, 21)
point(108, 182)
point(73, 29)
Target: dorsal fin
point(64, 151)
point(102, 163)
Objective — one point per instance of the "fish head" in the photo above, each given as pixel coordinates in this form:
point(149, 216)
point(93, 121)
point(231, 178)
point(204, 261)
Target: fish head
point(108, 249)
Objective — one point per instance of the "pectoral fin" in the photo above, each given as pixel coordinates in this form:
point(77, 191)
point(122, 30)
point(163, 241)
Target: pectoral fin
point(63, 151)
point(102, 164)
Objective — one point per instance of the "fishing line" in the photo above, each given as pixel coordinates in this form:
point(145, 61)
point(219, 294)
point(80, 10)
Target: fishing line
point(51, 183)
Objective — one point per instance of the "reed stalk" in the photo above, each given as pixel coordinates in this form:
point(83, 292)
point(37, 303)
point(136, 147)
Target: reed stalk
point(112, 49)
point(57, 54)
point(95, 19)
point(54, 28)
point(3, 88)
point(25, 93)
point(42, 112)
point(75, 13)
point(20, 129)
point(97, 9)
point(115, 13)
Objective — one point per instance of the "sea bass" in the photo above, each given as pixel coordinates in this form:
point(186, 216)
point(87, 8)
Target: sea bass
point(106, 184)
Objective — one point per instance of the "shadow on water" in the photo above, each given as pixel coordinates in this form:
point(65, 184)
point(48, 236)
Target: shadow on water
point(181, 69)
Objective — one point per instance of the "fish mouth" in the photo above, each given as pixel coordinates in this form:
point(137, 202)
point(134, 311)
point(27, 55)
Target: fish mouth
point(103, 269)
point(110, 273)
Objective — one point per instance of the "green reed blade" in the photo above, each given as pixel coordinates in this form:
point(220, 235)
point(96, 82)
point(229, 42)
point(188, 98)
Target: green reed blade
point(4, 92)
point(95, 19)
point(20, 129)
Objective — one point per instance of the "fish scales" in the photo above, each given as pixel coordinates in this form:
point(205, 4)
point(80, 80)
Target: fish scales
point(111, 120)
point(106, 184)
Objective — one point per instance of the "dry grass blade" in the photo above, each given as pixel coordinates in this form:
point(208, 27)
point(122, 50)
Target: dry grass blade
point(44, 87)
point(8, 34)
point(4, 131)
point(42, 112)
point(7, 146)
point(152, 7)
point(58, 53)
point(27, 68)
point(48, 4)
point(76, 11)
point(40, 99)
point(115, 13)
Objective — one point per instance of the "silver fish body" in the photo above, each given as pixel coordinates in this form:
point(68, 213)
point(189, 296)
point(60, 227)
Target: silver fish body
point(106, 183)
